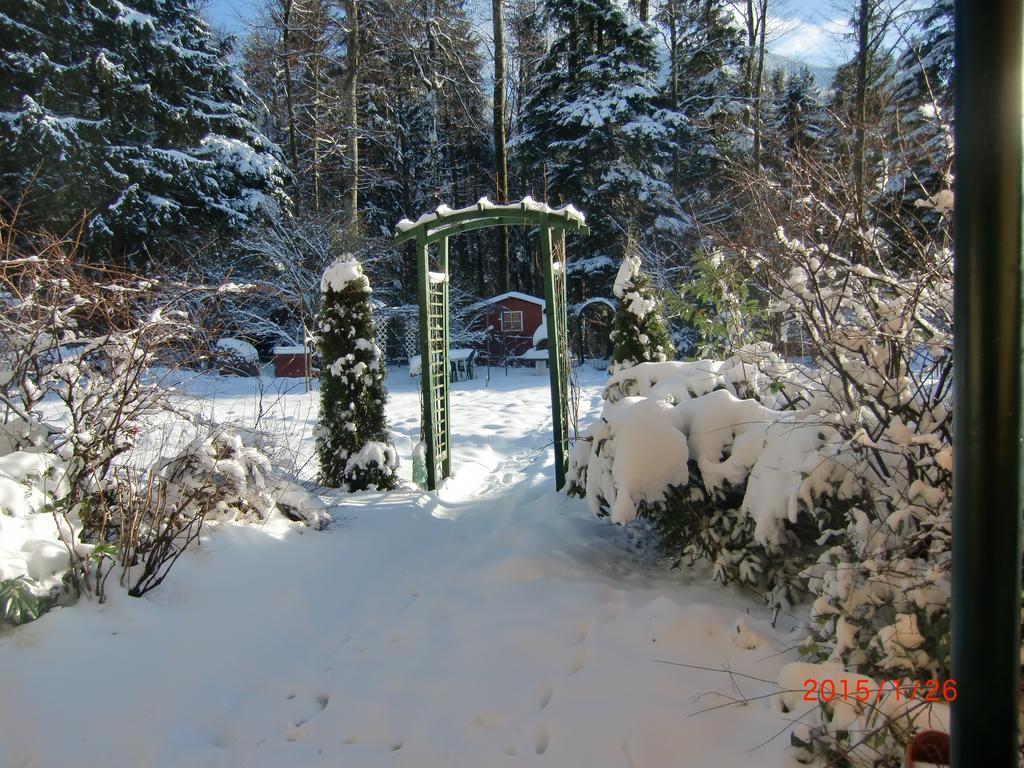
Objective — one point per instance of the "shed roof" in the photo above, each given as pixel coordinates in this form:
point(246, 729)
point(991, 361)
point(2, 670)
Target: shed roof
point(510, 295)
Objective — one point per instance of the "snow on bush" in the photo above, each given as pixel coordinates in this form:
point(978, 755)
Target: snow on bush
point(234, 482)
point(234, 356)
point(352, 437)
point(77, 495)
point(881, 718)
point(830, 481)
point(697, 449)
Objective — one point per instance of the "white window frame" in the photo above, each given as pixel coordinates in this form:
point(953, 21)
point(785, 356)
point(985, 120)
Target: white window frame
point(509, 319)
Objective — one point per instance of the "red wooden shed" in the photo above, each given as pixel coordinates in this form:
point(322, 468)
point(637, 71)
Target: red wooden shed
point(292, 362)
point(512, 318)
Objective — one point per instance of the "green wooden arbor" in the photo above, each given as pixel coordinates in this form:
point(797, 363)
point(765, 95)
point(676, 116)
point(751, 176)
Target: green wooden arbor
point(434, 229)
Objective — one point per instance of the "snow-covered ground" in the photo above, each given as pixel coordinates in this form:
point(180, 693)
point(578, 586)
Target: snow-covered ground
point(496, 623)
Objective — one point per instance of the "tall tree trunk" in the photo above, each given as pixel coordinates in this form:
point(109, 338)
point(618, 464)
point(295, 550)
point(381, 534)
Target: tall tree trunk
point(759, 84)
point(289, 98)
point(352, 117)
point(673, 49)
point(860, 105)
point(313, 113)
point(500, 161)
point(748, 63)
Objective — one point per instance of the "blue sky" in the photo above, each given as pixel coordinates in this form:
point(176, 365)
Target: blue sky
point(803, 29)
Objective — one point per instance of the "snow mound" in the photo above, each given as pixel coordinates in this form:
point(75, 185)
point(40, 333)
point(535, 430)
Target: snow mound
point(238, 348)
point(658, 419)
point(30, 543)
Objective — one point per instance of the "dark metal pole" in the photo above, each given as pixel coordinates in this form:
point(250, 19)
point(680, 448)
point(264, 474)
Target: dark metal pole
point(987, 412)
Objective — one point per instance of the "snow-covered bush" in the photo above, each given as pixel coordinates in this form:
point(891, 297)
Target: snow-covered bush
point(352, 438)
point(639, 333)
point(216, 478)
point(708, 454)
point(236, 357)
point(831, 479)
point(234, 481)
point(883, 344)
point(77, 390)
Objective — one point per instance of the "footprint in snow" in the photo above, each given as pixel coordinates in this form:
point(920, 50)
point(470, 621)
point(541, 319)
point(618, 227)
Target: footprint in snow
point(544, 697)
point(610, 606)
point(487, 720)
point(541, 740)
point(580, 633)
point(578, 661)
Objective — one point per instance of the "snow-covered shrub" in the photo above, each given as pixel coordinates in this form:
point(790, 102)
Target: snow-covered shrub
point(831, 479)
point(77, 389)
point(81, 341)
point(706, 452)
point(236, 357)
point(639, 333)
point(883, 343)
point(868, 727)
point(874, 309)
point(352, 437)
point(216, 478)
point(234, 481)
point(720, 305)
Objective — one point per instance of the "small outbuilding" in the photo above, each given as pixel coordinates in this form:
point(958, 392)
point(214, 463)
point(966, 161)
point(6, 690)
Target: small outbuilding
point(292, 362)
point(512, 320)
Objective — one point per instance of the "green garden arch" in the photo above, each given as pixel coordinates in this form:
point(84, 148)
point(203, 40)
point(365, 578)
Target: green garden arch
point(434, 229)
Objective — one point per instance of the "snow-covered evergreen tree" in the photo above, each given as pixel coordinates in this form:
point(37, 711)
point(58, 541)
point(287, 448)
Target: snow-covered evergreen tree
point(919, 119)
point(797, 123)
point(132, 113)
point(593, 133)
point(702, 84)
point(639, 333)
point(352, 437)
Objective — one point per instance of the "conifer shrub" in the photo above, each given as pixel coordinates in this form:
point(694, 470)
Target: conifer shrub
point(352, 437)
point(639, 333)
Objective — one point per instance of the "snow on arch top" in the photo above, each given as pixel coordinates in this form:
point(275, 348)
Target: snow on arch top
point(568, 212)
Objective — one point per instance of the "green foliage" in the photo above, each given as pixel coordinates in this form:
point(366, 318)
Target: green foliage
point(352, 437)
point(720, 304)
point(18, 604)
point(593, 129)
point(692, 523)
point(639, 333)
point(133, 113)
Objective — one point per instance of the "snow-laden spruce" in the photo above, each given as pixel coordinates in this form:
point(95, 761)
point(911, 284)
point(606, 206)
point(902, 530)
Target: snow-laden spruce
point(133, 112)
point(639, 333)
point(352, 438)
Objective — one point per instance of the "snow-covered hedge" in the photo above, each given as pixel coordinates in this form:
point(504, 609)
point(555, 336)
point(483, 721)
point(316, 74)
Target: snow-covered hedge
point(829, 481)
point(708, 453)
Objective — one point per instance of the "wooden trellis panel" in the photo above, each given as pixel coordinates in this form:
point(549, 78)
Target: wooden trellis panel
point(434, 230)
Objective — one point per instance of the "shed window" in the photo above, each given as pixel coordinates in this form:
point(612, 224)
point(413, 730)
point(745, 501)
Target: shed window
point(511, 321)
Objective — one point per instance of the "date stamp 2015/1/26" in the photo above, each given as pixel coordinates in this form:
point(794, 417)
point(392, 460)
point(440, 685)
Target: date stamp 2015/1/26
point(862, 689)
